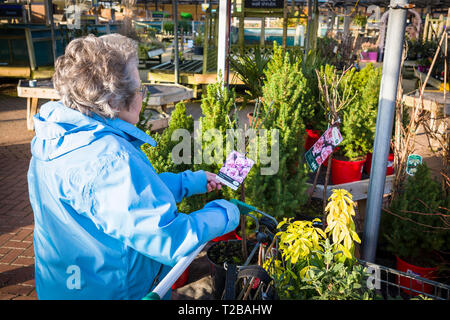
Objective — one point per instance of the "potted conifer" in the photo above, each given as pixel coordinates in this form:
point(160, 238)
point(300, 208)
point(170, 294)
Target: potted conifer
point(416, 227)
point(358, 126)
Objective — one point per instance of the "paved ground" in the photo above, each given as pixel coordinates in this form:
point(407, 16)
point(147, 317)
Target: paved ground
point(16, 216)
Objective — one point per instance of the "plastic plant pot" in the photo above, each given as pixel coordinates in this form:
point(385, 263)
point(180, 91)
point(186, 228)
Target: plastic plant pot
point(227, 236)
point(390, 164)
point(364, 56)
point(311, 138)
point(346, 171)
point(373, 56)
point(427, 273)
point(218, 271)
point(182, 280)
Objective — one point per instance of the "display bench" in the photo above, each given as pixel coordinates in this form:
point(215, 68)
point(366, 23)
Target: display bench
point(436, 104)
point(359, 191)
point(161, 95)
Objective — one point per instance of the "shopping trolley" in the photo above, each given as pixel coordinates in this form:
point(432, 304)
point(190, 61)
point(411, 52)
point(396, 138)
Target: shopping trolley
point(247, 281)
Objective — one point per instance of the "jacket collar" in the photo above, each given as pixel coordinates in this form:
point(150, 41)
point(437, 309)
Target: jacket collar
point(134, 134)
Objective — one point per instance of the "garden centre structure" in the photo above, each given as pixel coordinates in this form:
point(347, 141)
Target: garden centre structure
point(222, 55)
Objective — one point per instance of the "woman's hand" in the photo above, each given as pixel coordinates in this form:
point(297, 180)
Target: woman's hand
point(212, 184)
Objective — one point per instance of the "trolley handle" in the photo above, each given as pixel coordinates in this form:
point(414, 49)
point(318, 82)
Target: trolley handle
point(163, 287)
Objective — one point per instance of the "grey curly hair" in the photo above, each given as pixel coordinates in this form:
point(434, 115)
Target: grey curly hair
point(95, 74)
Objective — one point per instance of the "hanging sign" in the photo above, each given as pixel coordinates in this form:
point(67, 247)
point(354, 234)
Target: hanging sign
point(264, 4)
point(414, 160)
point(323, 147)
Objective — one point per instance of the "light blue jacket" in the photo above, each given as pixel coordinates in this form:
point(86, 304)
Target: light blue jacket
point(105, 221)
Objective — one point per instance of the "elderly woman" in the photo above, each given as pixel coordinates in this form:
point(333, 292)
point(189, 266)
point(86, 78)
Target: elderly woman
point(106, 224)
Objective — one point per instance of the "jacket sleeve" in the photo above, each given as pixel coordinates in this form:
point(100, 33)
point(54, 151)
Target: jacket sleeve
point(184, 184)
point(139, 210)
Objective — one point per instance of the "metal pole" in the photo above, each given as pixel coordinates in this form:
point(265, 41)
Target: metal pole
point(308, 28)
point(175, 35)
point(385, 117)
point(228, 45)
point(48, 6)
point(222, 40)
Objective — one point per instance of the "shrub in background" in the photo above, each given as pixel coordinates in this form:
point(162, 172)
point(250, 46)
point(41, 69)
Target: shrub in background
point(359, 118)
point(284, 107)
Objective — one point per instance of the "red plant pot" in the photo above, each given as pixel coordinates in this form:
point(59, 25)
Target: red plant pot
point(227, 236)
point(427, 273)
point(390, 164)
point(325, 163)
point(182, 280)
point(346, 171)
point(311, 138)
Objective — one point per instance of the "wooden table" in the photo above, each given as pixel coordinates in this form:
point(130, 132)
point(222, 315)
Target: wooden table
point(433, 102)
point(161, 95)
point(43, 90)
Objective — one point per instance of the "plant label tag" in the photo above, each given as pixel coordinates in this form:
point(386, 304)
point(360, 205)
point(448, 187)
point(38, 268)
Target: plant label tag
point(414, 160)
point(323, 147)
point(234, 170)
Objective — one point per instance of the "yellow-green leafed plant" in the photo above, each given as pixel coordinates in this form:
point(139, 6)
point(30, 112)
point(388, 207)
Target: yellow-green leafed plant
point(319, 264)
point(299, 240)
point(340, 211)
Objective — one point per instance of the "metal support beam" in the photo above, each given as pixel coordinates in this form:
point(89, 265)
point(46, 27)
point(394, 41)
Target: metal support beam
point(48, 5)
point(385, 118)
point(175, 38)
point(223, 40)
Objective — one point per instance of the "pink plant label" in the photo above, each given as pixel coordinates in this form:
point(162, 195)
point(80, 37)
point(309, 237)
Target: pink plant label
point(323, 147)
point(234, 170)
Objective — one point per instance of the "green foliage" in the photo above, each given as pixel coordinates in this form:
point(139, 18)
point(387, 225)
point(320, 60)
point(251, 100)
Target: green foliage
point(183, 26)
point(359, 120)
point(198, 41)
point(360, 20)
point(326, 49)
point(250, 67)
point(309, 65)
point(416, 224)
point(333, 281)
point(168, 26)
point(283, 108)
point(313, 265)
point(419, 50)
point(217, 106)
point(161, 155)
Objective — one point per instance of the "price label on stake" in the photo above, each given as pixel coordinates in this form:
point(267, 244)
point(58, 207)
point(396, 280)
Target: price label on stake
point(414, 160)
point(323, 147)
